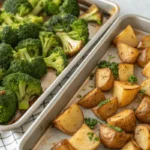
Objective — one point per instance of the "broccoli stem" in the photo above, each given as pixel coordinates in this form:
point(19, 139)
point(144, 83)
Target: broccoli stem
point(38, 8)
point(24, 104)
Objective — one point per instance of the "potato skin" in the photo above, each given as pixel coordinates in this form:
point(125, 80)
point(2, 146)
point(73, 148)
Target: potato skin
point(145, 42)
point(92, 99)
point(143, 111)
point(132, 145)
point(113, 139)
point(125, 120)
point(145, 86)
point(107, 110)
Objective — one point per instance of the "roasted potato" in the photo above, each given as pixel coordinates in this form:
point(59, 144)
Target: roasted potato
point(145, 42)
point(127, 54)
point(125, 120)
point(92, 99)
point(143, 111)
point(112, 138)
point(132, 145)
point(127, 36)
point(107, 110)
point(145, 86)
point(144, 57)
point(84, 138)
point(146, 70)
point(125, 92)
point(70, 120)
point(63, 145)
point(104, 79)
point(142, 136)
point(125, 71)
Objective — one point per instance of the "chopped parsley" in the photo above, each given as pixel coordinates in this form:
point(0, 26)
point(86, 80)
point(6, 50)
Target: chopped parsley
point(103, 102)
point(92, 76)
point(110, 57)
point(79, 96)
point(118, 129)
point(91, 122)
point(91, 136)
point(133, 79)
point(142, 92)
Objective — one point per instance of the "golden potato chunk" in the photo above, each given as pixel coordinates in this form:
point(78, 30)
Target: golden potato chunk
point(92, 99)
point(144, 57)
point(143, 111)
point(125, 71)
point(125, 92)
point(145, 86)
point(127, 54)
point(125, 120)
point(142, 136)
point(104, 79)
point(107, 109)
point(132, 145)
point(70, 120)
point(145, 42)
point(146, 70)
point(112, 138)
point(127, 36)
point(84, 138)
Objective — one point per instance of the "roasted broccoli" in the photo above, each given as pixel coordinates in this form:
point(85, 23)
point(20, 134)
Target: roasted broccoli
point(21, 7)
point(6, 55)
point(92, 14)
point(70, 46)
point(2, 73)
point(24, 86)
point(49, 41)
point(57, 60)
point(8, 105)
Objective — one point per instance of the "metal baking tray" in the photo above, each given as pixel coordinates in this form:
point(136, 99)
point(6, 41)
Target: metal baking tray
point(41, 135)
point(50, 81)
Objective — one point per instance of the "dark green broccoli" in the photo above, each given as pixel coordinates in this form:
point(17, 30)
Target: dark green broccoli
point(24, 86)
point(57, 60)
point(35, 68)
point(59, 23)
point(6, 55)
point(9, 36)
point(70, 46)
point(2, 73)
point(21, 7)
point(28, 30)
point(49, 41)
point(8, 105)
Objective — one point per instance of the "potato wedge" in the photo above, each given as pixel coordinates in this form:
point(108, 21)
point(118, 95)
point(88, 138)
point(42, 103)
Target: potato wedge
point(125, 120)
point(127, 54)
point(132, 145)
point(127, 36)
point(91, 99)
point(142, 136)
point(84, 138)
point(112, 138)
point(125, 71)
point(145, 86)
point(143, 111)
point(104, 79)
point(125, 92)
point(106, 110)
point(145, 42)
point(144, 57)
point(70, 120)
point(146, 70)
point(63, 145)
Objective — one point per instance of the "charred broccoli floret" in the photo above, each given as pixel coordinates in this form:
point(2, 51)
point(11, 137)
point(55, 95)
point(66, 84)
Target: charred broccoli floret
point(92, 14)
point(49, 41)
point(70, 46)
point(8, 105)
point(21, 7)
point(57, 60)
point(24, 87)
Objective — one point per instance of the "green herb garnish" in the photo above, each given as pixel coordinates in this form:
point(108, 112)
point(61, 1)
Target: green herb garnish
point(91, 136)
point(92, 76)
point(110, 57)
point(133, 79)
point(79, 96)
point(91, 122)
point(103, 102)
point(118, 129)
point(142, 92)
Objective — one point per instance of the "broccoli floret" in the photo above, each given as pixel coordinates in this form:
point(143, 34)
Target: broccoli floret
point(8, 105)
point(28, 30)
point(24, 86)
point(57, 60)
point(59, 23)
point(49, 41)
point(35, 68)
point(33, 2)
point(21, 7)
point(9, 36)
point(70, 46)
point(70, 6)
point(2, 73)
point(6, 55)
point(92, 14)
